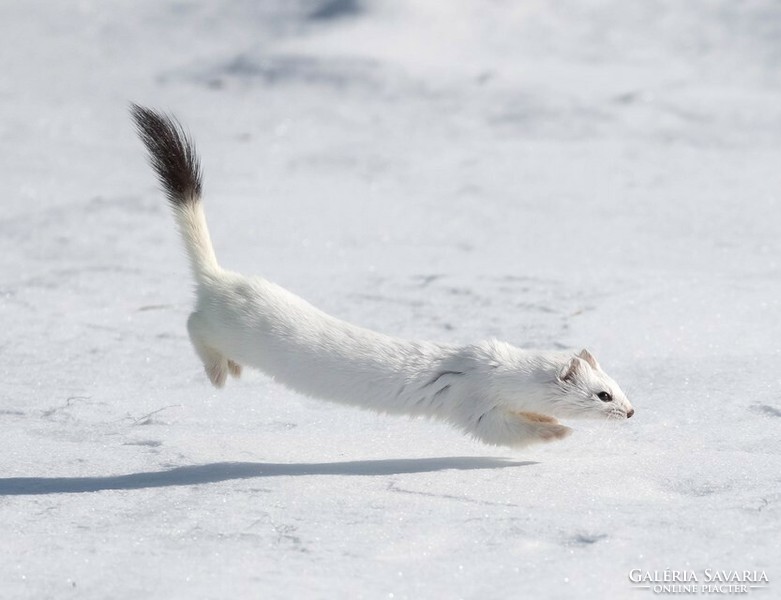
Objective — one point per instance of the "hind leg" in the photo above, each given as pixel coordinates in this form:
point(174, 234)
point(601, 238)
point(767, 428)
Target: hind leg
point(215, 364)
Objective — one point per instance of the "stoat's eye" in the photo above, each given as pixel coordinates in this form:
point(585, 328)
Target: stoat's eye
point(605, 397)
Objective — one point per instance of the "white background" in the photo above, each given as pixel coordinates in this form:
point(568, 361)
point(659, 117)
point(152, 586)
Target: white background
point(553, 173)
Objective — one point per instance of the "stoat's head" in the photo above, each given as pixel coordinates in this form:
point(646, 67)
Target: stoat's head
point(585, 390)
point(558, 384)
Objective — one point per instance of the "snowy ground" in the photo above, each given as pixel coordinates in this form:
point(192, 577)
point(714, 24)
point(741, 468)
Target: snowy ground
point(553, 173)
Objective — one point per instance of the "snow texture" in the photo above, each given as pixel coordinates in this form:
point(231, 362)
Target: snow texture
point(555, 173)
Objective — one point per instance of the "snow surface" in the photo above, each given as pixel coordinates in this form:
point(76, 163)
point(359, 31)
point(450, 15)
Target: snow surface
point(553, 173)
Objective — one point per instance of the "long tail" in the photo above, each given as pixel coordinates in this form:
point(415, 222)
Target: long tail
point(173, 157)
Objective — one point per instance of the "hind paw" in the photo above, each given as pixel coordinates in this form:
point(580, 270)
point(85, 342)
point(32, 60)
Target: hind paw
point(234, 368)
point(217, 372)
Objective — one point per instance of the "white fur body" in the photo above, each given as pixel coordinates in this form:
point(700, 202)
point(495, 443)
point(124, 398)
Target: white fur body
point(498, 393)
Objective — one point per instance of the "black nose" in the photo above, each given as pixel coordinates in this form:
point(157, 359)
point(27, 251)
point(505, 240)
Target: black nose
point(630, 413)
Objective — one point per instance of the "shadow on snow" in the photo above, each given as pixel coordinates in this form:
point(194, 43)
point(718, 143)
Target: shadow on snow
point(216, 472)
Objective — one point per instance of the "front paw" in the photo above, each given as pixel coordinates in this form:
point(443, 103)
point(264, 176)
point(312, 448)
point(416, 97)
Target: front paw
point(544, 427)
point(537, 417)
point(517, 429)
point(549, 433)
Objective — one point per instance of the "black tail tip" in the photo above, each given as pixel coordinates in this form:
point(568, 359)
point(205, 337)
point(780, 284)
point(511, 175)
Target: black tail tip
point(172, 154)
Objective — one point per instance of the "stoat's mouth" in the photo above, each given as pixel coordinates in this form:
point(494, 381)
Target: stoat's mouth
point(619, 415)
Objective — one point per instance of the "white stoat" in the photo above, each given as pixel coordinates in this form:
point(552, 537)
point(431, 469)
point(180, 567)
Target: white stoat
point(496, 392)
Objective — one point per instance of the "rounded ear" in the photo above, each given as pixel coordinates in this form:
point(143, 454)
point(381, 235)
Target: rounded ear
point(576, 366)
point(589, 358)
